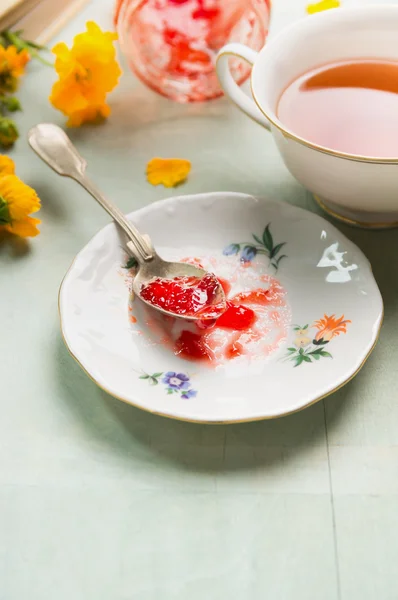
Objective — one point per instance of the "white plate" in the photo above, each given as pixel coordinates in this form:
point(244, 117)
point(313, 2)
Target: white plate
point(322, 274)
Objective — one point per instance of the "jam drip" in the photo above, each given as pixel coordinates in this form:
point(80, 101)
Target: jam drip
point(237, 318)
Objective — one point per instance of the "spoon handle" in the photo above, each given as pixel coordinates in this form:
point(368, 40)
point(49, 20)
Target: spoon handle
point(144, 251)
point(55, 148)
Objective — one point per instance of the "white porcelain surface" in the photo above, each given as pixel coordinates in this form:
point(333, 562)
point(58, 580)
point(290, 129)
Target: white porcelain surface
point(366, 188)
point(323, 273)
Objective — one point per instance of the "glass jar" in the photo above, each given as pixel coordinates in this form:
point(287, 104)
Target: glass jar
point(172, 44)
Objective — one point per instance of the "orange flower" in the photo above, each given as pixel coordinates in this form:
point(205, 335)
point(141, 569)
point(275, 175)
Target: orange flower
point(330, 327)
point(167, 171)
point(17, 201)
point(323, 5)
point(91, 114)
point(12, 66)
point(87, 72)
point(7, 166)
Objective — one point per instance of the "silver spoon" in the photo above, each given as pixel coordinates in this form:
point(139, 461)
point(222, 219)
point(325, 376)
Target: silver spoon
point(53, 146)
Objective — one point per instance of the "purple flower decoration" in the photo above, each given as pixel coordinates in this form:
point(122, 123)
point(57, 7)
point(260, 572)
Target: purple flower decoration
point(248, 253)
point(231, 249)
point(189, 394)
point(176, 381)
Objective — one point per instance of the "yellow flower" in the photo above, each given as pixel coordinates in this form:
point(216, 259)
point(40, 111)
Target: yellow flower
point(302, 331)
point(8, 132)
point(12, 66)
point(322, 5)
point(168, 171)
point(87, 72)
point(7, 166)
point(91, 114)
point(302, 341)
point(17, 201)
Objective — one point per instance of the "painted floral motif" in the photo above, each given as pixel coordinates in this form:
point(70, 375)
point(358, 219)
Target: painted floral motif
point(175, 383)
point(308, 347)
point(131, 263)
point(263, 246)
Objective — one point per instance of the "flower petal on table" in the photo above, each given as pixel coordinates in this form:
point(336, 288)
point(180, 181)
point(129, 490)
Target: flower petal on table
point(167, 171)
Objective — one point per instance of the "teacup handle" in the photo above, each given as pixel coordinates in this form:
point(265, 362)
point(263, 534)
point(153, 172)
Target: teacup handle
point(229, 85)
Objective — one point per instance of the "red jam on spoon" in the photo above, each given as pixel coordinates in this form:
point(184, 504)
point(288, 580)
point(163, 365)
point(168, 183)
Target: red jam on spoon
point(186, 296)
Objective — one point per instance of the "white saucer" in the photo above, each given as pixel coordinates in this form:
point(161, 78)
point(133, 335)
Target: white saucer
point(313, 340)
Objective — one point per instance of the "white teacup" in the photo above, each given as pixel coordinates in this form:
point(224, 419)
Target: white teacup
point(361, 190)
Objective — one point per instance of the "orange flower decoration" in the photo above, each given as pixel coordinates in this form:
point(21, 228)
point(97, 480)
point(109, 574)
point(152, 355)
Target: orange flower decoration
point(330, 327)
point(167, 171)
point(12, 66)
point(323, 5)
point(87, 72)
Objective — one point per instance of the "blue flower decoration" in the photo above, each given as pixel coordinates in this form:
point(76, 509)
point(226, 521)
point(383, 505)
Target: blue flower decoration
point(248, 253)
point(176, 381)
point(189, 394)
point(231, 249)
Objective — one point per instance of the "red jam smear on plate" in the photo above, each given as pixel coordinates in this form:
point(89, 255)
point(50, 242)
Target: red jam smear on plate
point(237, 318)
point(192, 346)
point(203, 340)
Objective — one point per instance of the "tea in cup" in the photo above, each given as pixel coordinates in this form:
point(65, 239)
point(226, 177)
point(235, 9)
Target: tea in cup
point(327, 89)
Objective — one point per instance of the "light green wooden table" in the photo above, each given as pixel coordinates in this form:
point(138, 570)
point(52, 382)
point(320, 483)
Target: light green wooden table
point(99, 501)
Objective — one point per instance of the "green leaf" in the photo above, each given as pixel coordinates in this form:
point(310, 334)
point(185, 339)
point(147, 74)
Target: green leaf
point(305, 326)
point(157, 375)
point(14, 38)
point(278, 260)
point(326, 354)
point(144, 377)
point(267, 238)
point(292, 349)
point(276, 249)
point(306, 358)
point(301, 351)
point(153, 381)
point(257, 239)
point(315, 356)
point(320, 342)
point(131, 263)
point(299, 360)
point(169, 391)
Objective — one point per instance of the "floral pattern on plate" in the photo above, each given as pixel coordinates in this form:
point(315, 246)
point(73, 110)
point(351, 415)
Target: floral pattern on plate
point(175, 383)
point(307, 347)
point(263, 246)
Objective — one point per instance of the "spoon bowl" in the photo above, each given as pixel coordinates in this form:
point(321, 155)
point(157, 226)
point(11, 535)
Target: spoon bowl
point(55, 148)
